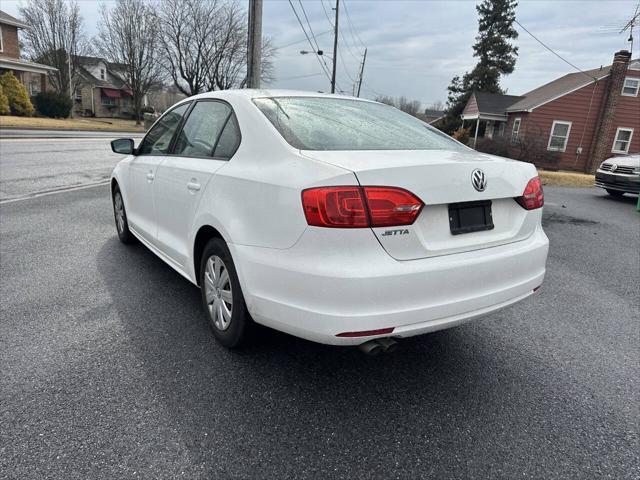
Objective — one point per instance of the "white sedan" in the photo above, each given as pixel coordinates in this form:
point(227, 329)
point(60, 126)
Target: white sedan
point(335, 219)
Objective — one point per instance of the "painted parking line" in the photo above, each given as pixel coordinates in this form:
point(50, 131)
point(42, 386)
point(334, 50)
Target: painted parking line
point(56, 191)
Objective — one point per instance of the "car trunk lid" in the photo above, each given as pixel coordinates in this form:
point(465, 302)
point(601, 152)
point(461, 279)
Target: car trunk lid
point(442, 178)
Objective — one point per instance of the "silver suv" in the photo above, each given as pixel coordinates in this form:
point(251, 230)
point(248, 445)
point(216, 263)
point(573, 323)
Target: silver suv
point(619, 175)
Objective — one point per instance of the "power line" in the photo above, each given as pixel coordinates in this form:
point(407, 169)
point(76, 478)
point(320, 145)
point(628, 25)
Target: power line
point(354, 32)
point(302, 40)
point(322, 65)
point(552, 51)
point(295, 77)
point(327, 14)
point(304, 12)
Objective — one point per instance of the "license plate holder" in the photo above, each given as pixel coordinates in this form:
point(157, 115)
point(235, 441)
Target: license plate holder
point(467, 217)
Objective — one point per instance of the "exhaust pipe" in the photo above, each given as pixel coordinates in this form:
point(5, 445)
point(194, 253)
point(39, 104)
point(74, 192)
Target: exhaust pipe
point(389, 345)
point(371, 348)
point(378, 346)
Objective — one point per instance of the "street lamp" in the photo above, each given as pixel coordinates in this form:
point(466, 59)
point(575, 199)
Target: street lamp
point(306, 52)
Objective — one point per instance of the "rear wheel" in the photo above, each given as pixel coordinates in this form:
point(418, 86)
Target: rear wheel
point(615, 193)
point(120, 214)
point(222, 297)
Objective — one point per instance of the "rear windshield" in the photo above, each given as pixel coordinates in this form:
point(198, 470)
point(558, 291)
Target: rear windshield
point(320, 123)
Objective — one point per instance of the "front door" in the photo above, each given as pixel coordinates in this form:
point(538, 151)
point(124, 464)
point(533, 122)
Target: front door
point(142, 173)
point(208, 139)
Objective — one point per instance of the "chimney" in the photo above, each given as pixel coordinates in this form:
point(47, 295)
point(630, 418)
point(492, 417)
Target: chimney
point(602, 148)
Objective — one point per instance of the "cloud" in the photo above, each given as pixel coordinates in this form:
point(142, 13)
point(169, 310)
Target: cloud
point(416, 47)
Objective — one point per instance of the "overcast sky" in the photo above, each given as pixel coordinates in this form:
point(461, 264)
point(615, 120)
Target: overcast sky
point(416, 47)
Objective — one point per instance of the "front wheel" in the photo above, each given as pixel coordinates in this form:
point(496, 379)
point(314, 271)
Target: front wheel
point(222, 297)
point(120, 214)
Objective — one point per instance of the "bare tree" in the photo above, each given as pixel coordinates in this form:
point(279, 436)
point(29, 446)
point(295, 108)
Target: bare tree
point(128, 35)
point(204, 45)
point(402, 103)
point(188, 38)
point(437, 105)
point(55, 33)
point(386, 100)
point(408, 106)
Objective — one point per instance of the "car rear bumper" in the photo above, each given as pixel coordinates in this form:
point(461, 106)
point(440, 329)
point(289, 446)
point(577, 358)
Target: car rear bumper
point(619, 182)
point(331, 283)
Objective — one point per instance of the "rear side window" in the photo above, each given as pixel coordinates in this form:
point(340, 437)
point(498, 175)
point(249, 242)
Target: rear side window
point(158, 140)
point(202, 128)
point(325, 123)
point(229, 139)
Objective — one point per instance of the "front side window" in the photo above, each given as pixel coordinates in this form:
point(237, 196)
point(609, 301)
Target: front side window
point(202, 128)
point(158, 140)
point(324, 123)
point(559, 136)
point(623, 140)
point(630, 87)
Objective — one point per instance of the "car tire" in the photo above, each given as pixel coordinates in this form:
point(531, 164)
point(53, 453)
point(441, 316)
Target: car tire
point(120, 215)
point(229, 320)
point(615, 193)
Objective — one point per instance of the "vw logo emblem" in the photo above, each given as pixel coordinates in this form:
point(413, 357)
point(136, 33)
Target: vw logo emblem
point(614, 167)
point(478, 180)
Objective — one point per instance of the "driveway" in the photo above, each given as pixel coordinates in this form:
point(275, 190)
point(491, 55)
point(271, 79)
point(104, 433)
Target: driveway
point(108, 368)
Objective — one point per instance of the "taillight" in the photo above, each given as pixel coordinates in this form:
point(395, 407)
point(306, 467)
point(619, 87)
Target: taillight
point(533, 197)
point(358, 207)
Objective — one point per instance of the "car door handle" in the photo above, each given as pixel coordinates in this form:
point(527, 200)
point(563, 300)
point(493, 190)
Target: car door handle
point(193, 186)
point(150, 176)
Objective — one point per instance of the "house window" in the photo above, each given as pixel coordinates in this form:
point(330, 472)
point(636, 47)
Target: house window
point(108, 101)
point(559, 136)
point(630, 87)
point(102, 74)
point(516, 129)
point(623, 140)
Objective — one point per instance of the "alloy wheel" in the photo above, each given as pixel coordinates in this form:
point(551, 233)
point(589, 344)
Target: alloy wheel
point(218, 292)
point(119, 209)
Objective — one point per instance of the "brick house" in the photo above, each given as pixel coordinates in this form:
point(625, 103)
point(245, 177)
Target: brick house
point(580, 118)
point(32, 75)
point(101, 91)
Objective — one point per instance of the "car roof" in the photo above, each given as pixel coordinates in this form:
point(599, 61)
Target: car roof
point(251, 93)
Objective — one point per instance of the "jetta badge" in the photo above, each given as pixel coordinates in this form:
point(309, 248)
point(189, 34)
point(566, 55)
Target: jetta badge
point(479, 180)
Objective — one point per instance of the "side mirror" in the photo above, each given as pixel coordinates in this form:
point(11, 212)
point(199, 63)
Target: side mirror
point(123, 146)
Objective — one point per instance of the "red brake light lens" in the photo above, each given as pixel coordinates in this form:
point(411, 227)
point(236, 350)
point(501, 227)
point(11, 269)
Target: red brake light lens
point(359, 207)
point(392, 206)
point(533, 196)
point(335, 207)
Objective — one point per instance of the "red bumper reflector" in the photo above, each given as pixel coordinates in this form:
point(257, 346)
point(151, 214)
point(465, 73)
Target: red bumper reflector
point(366, 333)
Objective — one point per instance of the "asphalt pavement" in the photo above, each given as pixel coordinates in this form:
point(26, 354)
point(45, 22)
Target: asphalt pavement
point(37, 165)
point(109, 370)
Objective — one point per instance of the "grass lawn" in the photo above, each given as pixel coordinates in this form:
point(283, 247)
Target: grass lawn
point(113, 124)
point(566, 179)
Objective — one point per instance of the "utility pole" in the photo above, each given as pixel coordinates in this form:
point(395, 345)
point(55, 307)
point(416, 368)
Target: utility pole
point(335, 49)
point(364, 59)
point(254, 44)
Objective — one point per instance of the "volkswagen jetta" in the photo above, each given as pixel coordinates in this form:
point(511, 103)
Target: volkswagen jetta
point(335, 219)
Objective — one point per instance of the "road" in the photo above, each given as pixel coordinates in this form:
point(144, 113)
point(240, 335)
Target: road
point(36, 165)
point(108, 369)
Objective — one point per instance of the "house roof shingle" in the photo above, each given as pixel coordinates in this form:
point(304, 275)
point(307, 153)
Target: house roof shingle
point(557, 88)
point(494, 103)
point(9, 20)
